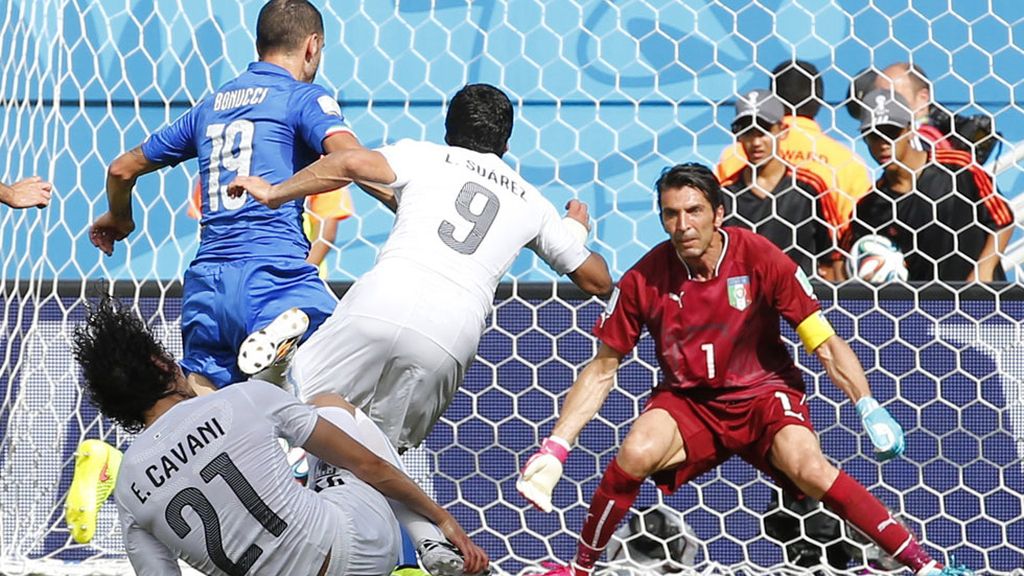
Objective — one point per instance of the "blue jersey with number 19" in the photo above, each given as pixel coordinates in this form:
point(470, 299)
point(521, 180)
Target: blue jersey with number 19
point(263, 123)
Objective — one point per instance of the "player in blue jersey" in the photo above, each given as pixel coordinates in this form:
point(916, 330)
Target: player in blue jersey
point(270, 121)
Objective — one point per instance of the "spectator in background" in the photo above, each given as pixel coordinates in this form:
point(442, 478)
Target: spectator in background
point(935, 126)
point(798, 84)
point(319, 221)
point(789, 206)
point(32, 191)
point(911, 83)
point(939, 207)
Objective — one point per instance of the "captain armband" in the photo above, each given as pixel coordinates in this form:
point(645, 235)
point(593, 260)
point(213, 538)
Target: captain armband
point(814, 330)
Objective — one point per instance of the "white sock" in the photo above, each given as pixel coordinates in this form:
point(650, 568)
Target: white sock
point(367, 433)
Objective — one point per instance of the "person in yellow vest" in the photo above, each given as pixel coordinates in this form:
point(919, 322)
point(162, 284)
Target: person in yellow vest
point(803, 145)
point(319, 221)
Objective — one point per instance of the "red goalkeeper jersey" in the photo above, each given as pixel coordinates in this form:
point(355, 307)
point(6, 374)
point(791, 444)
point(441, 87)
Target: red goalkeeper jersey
point(720, 336)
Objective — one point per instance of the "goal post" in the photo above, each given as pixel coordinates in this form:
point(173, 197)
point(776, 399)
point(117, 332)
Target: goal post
point(606, 94)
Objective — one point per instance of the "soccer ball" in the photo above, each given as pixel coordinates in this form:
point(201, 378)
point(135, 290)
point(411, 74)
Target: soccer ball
point(877, 260)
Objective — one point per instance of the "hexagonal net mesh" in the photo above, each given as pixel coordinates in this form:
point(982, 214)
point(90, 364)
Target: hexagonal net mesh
point(607, 94)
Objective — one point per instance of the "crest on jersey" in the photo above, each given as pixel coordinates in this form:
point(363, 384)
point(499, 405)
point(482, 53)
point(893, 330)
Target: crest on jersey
point(739, 292)
point(329, 105)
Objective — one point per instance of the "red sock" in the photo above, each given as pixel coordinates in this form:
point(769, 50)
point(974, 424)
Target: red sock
point(854, 503)
point(610, 504)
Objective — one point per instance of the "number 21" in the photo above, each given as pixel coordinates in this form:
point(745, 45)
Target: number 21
point(194, 498)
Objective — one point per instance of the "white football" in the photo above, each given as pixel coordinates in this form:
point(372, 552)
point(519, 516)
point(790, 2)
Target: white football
point(876, 260)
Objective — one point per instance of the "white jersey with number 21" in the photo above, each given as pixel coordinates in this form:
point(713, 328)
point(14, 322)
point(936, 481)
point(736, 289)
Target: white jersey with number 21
point(208, 483)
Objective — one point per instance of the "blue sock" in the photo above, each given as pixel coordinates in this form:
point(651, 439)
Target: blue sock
point(408, 556)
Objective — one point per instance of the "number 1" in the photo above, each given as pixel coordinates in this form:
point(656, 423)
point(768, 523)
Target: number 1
point(709, 353)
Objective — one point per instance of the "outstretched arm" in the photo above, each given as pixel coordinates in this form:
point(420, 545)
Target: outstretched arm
point(347, 141)
point(543, 470)
point(588, 393)
point(843, 367)
point(333, 445)
point(333, 171)
point(592, 276)
point(117, 223)
point(32, 191)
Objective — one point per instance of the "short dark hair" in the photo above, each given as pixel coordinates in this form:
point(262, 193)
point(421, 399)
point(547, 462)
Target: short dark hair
point(125, 369)
point(283, 24)
point(690, 174)
point(798, 84)
point(480, 119)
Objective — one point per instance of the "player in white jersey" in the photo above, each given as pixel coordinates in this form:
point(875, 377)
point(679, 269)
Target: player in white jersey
point(401, 339)
point(205, 480)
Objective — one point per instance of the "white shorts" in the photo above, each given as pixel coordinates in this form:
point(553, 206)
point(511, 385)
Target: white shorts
point(368, 540)
point(401, 379)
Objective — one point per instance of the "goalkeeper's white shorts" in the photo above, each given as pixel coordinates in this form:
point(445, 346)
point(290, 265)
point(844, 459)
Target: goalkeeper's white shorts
point(401, 379)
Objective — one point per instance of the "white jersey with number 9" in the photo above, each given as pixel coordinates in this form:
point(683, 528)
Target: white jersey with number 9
point(462, 219)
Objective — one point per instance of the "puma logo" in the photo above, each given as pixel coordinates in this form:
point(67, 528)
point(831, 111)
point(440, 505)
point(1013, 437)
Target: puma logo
point(890, 521)
point(678, 299)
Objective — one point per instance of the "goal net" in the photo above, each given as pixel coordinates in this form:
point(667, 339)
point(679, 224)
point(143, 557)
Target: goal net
point(606, 94)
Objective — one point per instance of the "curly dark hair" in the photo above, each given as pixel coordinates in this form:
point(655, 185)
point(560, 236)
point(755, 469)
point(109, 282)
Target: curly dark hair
point(479, 118)
point(125, 369)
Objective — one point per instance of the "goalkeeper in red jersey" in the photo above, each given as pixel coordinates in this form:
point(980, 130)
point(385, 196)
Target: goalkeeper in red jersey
point(711, 298)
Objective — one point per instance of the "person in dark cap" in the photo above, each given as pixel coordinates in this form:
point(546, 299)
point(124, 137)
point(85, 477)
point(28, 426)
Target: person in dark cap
point(798, 84)
point(789, 206)
point(935, 126)
point(938, 206)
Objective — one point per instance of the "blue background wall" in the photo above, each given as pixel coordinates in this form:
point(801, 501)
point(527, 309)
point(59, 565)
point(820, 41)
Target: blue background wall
point(950, 374)
point(607, 94)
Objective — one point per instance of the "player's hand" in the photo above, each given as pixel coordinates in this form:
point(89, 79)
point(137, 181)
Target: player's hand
point(577, 220)
point(260, 190)
point(542, 471)
point(885, 433)
point(474, 559)
point(32, 191)
point(578, 211)
point(108, 229)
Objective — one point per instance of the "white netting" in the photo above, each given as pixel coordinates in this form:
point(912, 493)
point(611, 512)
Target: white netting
point(607, 93)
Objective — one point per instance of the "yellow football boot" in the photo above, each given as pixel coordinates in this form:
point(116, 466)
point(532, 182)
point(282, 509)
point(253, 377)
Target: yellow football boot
point(96, 466)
